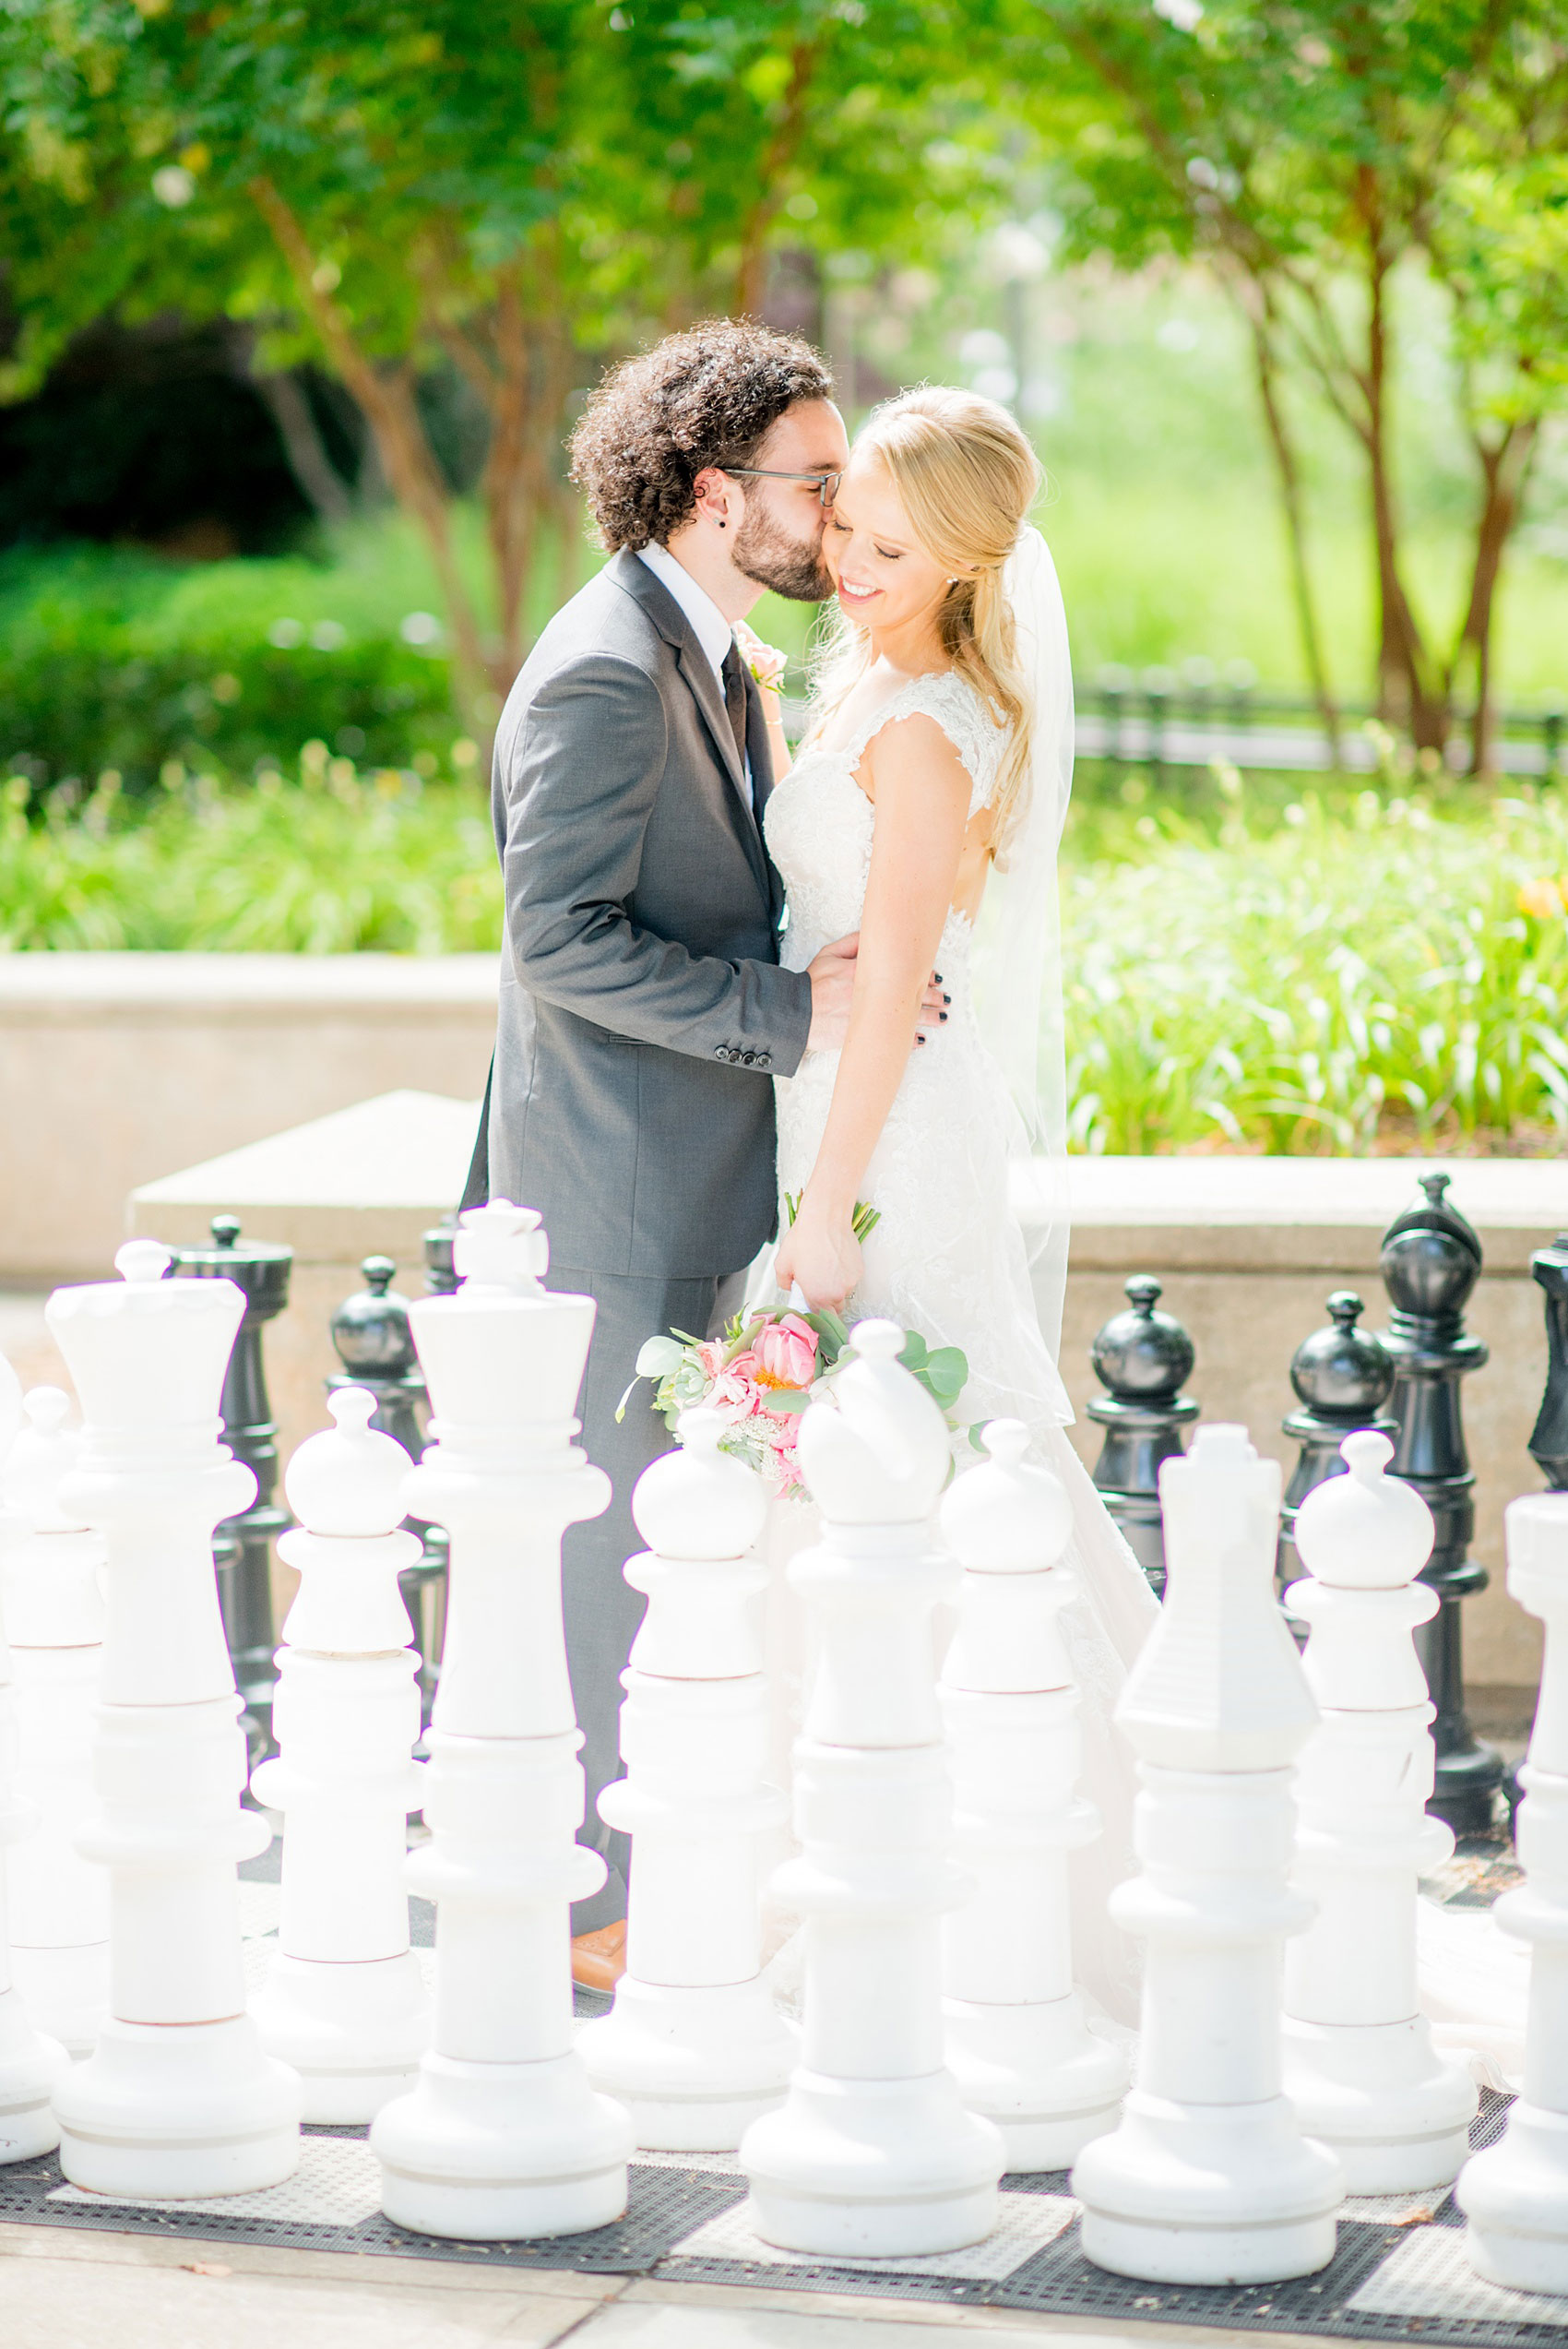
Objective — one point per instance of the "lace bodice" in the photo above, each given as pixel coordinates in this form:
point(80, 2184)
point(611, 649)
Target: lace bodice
point(820, 824)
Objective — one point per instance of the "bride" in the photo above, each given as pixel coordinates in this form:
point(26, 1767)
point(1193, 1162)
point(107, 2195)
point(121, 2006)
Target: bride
point(923, 811)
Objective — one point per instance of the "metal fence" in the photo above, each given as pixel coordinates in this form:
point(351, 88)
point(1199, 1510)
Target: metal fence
point(1189, 716)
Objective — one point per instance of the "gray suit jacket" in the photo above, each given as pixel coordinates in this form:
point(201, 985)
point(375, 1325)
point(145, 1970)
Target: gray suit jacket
point(643, 1010)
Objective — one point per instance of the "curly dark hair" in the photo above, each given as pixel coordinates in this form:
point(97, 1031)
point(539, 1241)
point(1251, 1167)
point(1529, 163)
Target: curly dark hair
point(707, 396)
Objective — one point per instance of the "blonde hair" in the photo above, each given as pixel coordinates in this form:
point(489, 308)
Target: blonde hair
point(966, 478)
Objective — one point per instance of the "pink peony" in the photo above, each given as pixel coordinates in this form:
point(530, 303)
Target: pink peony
point(786, 1353)
point(735, 1390)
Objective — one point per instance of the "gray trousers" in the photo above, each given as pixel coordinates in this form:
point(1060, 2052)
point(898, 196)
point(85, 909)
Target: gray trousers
point(601, 1610)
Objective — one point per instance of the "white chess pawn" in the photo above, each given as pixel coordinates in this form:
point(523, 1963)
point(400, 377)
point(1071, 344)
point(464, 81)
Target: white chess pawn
point(1515, 2192)
point(693, 2046)
point(1018, 2042)
point(32, 2065)
point(873, 2152)
point(1208, 2178)
point(1359, 2064)
point(344, 2000)
point(178, 2097)
point(502, 2138)
point(54, 1613)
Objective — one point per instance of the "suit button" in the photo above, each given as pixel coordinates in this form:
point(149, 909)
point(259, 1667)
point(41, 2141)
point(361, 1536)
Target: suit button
point(719, 1052)
point(749, 1059)
point(765, 1060)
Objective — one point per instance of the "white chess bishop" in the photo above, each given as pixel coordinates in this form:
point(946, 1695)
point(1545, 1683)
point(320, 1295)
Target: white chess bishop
point(1207, 2178)
point(178, 2097)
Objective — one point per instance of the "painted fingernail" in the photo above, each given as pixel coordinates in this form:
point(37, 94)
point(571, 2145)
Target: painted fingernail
point(943, 1017)
point(946, 998)
point(937, 976)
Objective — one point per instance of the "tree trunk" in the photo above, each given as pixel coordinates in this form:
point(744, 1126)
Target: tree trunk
point(288, 403)
point(751, 274)
point(1404, 694)
point(1504, 468)
point(1295, 528)
point(385, 398)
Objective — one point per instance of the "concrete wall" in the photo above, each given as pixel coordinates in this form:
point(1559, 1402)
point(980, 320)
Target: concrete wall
point(115, 1068)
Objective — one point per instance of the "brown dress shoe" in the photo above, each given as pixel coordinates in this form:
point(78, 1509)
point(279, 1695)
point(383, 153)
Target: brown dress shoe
point(599, 1960)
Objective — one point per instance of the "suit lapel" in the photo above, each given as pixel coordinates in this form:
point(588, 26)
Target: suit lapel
point(696, 669)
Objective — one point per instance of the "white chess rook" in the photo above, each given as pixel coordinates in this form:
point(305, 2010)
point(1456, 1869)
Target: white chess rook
point(1208, 2178)
point(178, 2098)
point(502, 2138)
point(1359, 2064)
point(32, 2065)
point(344, 2002)
point(1018, 2041)
point(693, 2046)
point(53, 1613)
point(1515, 2193)
point(872, 2152)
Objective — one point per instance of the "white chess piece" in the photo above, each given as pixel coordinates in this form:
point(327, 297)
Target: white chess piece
point(1208, 2178)
point(1359, 2064)
point(502, 2138)
point(344, 2000)
point(54, 1613)
point(1515, 2192)
point(1018, 2042)
point(178, 2097)
point(873, 2152)
point(693, 2045)
point(32, 2065)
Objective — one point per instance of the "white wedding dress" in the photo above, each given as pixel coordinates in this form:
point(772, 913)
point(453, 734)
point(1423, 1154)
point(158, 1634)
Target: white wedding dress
point(948, 1258)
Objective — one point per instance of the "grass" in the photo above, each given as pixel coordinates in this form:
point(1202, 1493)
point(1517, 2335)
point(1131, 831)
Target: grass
point(1341, 971)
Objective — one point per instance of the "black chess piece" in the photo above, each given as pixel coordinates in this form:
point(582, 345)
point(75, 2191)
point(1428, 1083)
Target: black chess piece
point(1549, 1438)
point(440, 1271)
point(1342, 1376)
point(1143, 1359)
point(243, 1545)
point(375, 1342)
point(1431, 1262)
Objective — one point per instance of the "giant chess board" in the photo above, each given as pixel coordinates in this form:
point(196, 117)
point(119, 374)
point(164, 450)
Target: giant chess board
point(1399, 2272)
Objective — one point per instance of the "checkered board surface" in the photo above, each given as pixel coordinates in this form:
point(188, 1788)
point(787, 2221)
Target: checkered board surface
point(1399, 2272)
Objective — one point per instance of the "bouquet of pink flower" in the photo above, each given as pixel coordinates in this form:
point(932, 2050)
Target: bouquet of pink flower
point(763, 1372)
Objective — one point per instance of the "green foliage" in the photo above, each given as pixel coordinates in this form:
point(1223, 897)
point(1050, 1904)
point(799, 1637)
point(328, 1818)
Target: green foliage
point(335, 864)
point(1370, 973)
point(1338, 972)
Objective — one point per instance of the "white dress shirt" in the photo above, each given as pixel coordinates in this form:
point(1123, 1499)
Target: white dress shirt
point(712, 629)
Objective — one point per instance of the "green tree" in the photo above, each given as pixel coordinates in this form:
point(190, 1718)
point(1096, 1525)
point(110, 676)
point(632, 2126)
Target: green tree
point(1321, 154)
point(518, 190)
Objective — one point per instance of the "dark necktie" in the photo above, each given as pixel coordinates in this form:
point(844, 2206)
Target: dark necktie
point(735, 701)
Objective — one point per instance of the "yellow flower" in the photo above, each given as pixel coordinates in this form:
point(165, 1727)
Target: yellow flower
point(1541, 897)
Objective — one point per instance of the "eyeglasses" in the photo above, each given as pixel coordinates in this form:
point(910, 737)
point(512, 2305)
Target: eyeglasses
point(826, 483)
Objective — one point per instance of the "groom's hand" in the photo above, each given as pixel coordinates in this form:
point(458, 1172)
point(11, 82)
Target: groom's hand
point(832, 990)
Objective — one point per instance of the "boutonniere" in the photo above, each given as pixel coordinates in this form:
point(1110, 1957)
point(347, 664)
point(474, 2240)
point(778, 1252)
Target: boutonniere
point(766, 662)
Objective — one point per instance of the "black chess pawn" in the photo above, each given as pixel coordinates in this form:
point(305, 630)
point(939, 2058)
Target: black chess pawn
point(243, 1545)
point(1143, 1359)
point(440, 1271)
point(1342, 1376)
point(375, 1345)
point(1549, 1438)
point(1431, 1262)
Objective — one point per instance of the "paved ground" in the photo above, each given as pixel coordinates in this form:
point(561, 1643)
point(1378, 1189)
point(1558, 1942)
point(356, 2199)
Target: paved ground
point(59, 2290)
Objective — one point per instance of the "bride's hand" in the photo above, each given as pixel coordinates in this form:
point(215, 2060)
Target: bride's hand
point(820, 1253)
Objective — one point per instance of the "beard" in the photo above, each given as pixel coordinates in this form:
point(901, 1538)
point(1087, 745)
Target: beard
point(791, 567)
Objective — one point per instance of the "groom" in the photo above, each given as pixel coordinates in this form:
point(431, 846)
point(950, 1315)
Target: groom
point(644, 1013)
